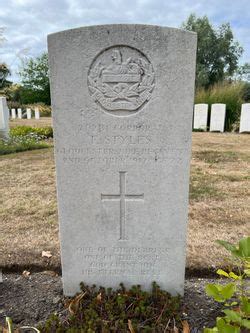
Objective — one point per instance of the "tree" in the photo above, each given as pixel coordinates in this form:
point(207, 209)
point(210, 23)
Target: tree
point(217, 51)
point(243, 72)
point(35, 79)
point(4, 73)
point(4, 70)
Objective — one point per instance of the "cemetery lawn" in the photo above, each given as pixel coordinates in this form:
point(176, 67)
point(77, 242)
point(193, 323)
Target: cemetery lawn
point(219, 203)
point(42, 122)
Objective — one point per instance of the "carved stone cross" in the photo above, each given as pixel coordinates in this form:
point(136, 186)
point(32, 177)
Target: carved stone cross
point(122, 197)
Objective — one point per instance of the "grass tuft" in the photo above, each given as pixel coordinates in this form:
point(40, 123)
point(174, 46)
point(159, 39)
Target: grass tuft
point(230, 94)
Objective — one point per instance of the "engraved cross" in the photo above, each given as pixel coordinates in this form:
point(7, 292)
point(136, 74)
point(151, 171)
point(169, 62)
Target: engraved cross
point(122, 197)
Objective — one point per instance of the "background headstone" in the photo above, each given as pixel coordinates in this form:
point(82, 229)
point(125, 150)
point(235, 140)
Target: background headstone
point(28, 113)
point(245, 118)
point(37, 113)
point(122, 99)
point(19, 113)
point(13, 113)
point(217, 120)
point(4, 118)
point(200, 116)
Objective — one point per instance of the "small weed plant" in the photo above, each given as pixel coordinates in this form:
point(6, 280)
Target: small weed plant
point(235, 295)
point(124, 310)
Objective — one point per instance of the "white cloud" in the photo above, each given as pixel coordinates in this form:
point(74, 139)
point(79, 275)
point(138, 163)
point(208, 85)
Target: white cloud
point(28, 22)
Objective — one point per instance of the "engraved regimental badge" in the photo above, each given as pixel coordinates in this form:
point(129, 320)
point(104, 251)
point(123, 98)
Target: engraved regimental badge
point(121, 80)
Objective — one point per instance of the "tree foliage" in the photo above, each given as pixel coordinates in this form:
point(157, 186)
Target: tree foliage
point(4, 70)
point(4, 73)
point(243, 72)
point(217, 52)
point(34, 75)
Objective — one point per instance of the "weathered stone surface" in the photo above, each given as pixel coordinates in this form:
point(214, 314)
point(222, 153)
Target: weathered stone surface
point(200, 116)
point(19, 113)
point(218, 114)
point(4, 118)
point(37, 113)
point(245, 118)
point(28, 110)
point(13, 113)
point(122, 100)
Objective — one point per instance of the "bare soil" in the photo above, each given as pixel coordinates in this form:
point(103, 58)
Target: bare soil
point(29, 300)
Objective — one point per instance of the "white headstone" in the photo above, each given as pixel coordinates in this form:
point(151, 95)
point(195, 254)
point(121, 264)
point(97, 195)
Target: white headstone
point(37, 113)
point(13, 113)
point(19, 113)
point(245, 118)
point(200, 116)
point(28, 113)
point(4, 118)
point(122, 100)
point(217, 120)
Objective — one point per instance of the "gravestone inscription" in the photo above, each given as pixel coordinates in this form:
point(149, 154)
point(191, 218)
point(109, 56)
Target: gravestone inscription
point(122, 99)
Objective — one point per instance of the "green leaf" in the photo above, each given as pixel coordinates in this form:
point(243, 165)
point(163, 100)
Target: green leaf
point(243, 251)
point(245, 305)
point(223, 327)
point(228, 246)
point(228, 290)
point(234, 276)
point(246, 323)
point(247, 272)
point(221, 272)
point(220, 293)
point(244, 247)
point(213, 290)
point(233, 316)
point(220, 323)
point(210, 330)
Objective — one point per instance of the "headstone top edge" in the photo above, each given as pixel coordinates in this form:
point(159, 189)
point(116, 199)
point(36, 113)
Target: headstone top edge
point(109, 26)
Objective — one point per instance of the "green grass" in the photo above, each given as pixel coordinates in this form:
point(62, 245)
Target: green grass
point(44, 132)
point(16, 145)
point(13, 147)
point(23, 138)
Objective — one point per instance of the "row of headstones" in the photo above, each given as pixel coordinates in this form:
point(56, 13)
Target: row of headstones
point(218, 115)
point(19, 114)
point(5, 115)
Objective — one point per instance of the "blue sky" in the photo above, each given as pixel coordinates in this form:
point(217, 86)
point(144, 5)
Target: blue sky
point(27, 22)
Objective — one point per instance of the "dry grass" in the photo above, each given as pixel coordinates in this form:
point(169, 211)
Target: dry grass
point(28, 210)
point(219, 201)
point(42, 122)
point(219, 195)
